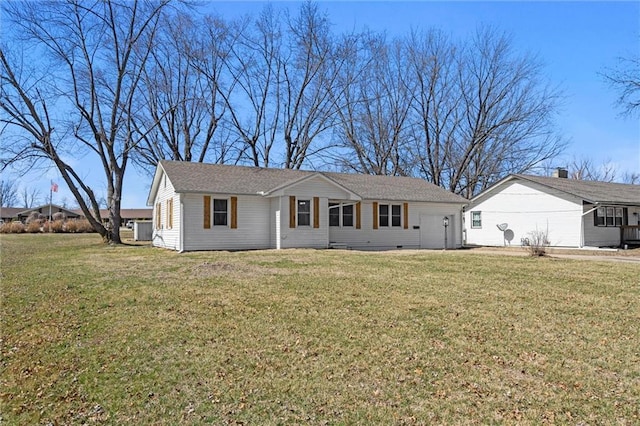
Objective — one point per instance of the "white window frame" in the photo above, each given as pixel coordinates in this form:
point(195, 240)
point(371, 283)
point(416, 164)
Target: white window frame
point(335, 207)
point(214, 211)
point(339, 207)
point(611, 217)
point(479, 219)
point(298, 213)
point(389, 215)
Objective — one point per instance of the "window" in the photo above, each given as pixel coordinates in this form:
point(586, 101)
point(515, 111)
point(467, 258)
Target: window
point(304, 212)
point(476, 219)
point(600, 215)
point(219, 212)
point(618, 220)
point(395, 215)
point(390, 214)
point(610, 216)
point(334, 214)
point(610, 212)
point(384, 215)
point(347, 215)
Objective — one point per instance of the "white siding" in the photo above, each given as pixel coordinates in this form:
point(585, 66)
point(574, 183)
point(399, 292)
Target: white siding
point(318, 187)
point(162, 235)
point(385, 238)
point(525, 208)
point(304, 236)
point(253, 224)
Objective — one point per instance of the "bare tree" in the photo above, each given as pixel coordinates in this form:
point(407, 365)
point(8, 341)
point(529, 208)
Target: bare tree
point(97, 51)
point(373, 106)
point(632, 178)
point(30, 197)
point(8, 193)
point(310, 72)
point(625, 79)
point(585, 169)
point(493, 119)
point(180, 110)
point(254, 67)
point(436, 103)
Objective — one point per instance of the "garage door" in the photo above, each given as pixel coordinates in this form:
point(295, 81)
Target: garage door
point(432, 232)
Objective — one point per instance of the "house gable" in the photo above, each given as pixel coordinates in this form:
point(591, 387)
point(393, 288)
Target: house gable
point(522, 208)
point(316, 184)
point(155, 184)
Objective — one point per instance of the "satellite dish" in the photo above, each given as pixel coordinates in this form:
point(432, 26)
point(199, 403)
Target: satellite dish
point(503, 226)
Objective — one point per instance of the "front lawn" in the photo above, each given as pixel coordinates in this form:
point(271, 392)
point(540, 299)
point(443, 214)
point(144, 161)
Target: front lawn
point(130, 334)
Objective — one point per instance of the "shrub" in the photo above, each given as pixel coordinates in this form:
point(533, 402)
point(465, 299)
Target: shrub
point(70, 226)
point(538, 242)
point(12, 228)
point(33, 226)
point(85, 226)
point(59, 216)
point(78, 226)
point(55, 226)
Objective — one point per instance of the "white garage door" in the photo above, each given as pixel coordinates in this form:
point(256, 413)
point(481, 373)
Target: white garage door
point(432, 232)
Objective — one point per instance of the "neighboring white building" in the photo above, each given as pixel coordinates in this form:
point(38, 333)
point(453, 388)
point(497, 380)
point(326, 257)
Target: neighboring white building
point(574, 213)
point(220, 207)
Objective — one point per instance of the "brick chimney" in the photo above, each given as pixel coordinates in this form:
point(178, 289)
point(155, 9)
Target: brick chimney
point(561, 173)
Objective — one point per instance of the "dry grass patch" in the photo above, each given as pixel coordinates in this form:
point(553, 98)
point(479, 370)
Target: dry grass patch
point(99, 334)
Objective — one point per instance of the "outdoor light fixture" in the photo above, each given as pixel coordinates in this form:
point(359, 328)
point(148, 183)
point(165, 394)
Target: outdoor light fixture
point(445, 222)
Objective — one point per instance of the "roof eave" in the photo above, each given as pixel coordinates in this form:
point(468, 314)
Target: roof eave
point(154, 184)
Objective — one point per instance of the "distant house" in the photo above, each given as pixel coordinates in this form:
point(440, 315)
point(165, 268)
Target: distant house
point(221, 207)
point(46, 211)
point(574, 213)
point(8, 214)
point(127, 215)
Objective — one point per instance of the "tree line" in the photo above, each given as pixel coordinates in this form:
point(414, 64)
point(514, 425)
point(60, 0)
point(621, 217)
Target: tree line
point(140, 81)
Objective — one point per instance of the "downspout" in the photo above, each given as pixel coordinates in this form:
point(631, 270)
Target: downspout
point(582, 224)
point(181, 237)
point(279, 225)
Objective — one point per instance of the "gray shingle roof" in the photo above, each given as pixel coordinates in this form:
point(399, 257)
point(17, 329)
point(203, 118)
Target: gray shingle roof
point(597, 192)
point(240, 180)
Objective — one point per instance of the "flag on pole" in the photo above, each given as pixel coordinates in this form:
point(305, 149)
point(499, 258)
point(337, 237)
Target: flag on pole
point(54, 187)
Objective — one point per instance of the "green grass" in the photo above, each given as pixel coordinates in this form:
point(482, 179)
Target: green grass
point(129, 334)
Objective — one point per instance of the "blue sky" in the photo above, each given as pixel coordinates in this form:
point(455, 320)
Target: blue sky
point(575, 41)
